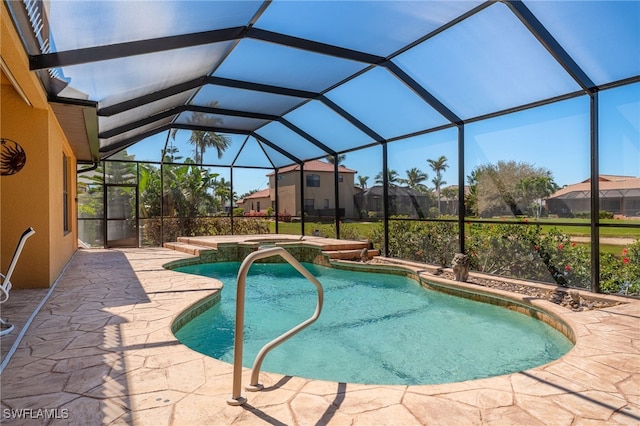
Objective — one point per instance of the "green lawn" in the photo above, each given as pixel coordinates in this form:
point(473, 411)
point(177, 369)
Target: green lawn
point(327, 230)
point(363, 229)
point(580, 230)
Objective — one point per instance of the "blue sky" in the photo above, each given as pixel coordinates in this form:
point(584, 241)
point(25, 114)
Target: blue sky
point(496, 64)
point(555, 137)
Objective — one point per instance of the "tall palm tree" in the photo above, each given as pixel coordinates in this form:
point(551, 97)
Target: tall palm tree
point(222, 190)
point(438, 166)
point(340, 158)
point(393, 178)
point(414, 180)
point(363, 181)
point(203, 139)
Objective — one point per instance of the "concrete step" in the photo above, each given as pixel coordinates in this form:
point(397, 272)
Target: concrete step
point(186, 248)
point(199, 242)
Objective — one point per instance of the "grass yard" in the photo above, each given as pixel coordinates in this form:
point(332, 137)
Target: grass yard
point(327, 230)
point(361, 230)
point(581, 228)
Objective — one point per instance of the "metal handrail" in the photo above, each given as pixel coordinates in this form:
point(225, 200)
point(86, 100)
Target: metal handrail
point(236, 397)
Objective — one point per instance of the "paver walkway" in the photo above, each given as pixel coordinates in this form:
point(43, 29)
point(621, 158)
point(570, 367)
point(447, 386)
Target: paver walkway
point(100, 351)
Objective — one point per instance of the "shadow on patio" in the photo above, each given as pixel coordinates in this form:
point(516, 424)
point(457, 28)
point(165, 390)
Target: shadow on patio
point(101, 351)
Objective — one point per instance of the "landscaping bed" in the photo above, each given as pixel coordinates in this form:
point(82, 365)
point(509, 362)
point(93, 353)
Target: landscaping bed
point(563, 296)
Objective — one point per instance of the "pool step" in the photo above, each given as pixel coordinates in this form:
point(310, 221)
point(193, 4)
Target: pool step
point(186, 248)
point(350, 254)
point(205, 242)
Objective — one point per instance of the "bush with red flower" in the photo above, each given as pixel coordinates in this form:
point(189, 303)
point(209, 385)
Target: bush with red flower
point(517, 251)
point(621, 274)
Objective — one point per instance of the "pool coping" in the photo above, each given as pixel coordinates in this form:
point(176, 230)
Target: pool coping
point(102, 348)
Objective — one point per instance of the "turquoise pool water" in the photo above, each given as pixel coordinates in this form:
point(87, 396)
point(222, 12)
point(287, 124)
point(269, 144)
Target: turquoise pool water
point(374, 328)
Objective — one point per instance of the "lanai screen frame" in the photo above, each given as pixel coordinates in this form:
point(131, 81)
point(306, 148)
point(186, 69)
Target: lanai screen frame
point(46, 62)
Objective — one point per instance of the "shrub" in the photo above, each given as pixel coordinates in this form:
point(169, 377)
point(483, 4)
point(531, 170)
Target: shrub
point(285, 217)
point(254, 213)
point(513, 250)
point(621, 274)
point(431, 242)
point(605, 215)
point(172, 228)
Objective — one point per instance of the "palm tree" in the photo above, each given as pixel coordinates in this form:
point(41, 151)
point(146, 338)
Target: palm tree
point(363, 181)
point(438, 166)
point(203, 139)
point(414, 180)
point(222, 189)
point(332, 158)
point(392, 178)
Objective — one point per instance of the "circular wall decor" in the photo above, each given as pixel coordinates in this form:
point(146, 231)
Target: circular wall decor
point(12, 157)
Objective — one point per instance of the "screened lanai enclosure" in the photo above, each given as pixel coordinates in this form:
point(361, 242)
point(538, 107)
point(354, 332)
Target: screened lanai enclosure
point(427, 127)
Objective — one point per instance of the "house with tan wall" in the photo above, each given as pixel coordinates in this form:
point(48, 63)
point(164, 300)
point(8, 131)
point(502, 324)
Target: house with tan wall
point(256, 203)
point(319, 190)
point(42, 195)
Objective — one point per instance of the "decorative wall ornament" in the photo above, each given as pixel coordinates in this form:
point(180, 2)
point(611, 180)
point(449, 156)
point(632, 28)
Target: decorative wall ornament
point(12, 157)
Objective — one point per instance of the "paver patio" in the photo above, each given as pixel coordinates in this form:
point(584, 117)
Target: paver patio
point(100, 351)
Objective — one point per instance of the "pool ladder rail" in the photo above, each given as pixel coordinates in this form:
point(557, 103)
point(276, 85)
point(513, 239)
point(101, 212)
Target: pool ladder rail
point(236, 397)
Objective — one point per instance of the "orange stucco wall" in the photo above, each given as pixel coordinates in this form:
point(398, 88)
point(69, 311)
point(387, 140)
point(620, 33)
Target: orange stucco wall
point(32, 197)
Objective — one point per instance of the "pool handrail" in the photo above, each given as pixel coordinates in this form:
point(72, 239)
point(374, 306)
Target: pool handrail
point(236, 396)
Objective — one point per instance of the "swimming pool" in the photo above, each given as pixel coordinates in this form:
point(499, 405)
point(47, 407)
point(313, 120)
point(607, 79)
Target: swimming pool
point(374, 328)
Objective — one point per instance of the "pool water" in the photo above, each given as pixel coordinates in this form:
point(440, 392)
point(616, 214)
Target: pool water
point(374, 328)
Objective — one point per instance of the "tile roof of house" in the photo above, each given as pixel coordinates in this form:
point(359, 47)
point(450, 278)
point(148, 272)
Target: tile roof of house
point(605, 183)
point(314, 166)
point(259, 194)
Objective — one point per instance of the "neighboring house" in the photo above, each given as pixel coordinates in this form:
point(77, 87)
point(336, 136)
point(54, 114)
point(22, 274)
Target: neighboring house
point(258, 202)
point(318, 181)
point(402, 201)
point(619, 195)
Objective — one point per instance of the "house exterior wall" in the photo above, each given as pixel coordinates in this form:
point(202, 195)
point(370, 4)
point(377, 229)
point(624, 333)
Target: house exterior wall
point(255, 204)
point(347, 191)
point(289, 192)
point(33, 196)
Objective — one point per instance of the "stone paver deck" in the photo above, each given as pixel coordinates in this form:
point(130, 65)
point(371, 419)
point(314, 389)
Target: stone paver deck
point(100, 351)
